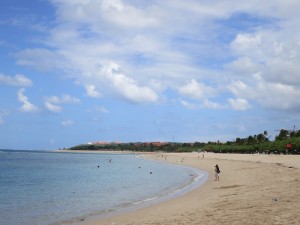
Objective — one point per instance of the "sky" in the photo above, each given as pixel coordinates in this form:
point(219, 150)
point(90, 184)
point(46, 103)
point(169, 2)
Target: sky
point(79, 71)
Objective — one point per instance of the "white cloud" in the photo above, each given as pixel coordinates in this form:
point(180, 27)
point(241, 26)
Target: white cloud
point(125, 15)
point(53, 103)
point(247, 42)
point(274, 95)
point(164, 44)
point(52, 107)
point(63, 99)
point(241, 89)
point(204, 104)
point(92, 91)
point(212, 105)
point(17, 80)
point(274, 55)
point(127, 87)
point(189, 105)
point(283, 70)
point(243, 65)
point(84, 50)
point(279, 96)
point(27, 106)
point(239, 104)
point(196, 90)
point(67, 123)
point(267, 66)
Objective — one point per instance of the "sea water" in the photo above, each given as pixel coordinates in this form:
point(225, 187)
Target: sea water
point(43, 188)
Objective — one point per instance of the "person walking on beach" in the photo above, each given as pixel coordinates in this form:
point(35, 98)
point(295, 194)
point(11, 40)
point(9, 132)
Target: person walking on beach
point(217, 172)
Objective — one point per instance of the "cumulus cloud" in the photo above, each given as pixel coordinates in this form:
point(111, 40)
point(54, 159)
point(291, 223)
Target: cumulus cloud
point(279, 96)
point(92, 91)
point(63, 99)
point(17, 80)
point(86, 40)
point(27, 106)
point(212, 105)
point(243, 65)
point(128, 87)
point(239, 104)
point(275, 57)
point(51, 107)
point(274, 95)
point(205, 103)
point(247, 43)
point(175, 45)
point(196, 90)
point(267, 67)
point(241, 89)
point(53, 103)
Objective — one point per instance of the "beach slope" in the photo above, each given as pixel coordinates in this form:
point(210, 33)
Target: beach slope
point(253, 189)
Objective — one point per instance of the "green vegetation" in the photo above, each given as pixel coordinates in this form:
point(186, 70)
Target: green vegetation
point(286, 142)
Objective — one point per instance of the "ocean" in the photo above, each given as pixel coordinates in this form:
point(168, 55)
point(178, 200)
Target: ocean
point(51, 188)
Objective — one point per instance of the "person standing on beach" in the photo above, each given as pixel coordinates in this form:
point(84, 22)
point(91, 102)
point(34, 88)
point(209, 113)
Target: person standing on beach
point(217, 172)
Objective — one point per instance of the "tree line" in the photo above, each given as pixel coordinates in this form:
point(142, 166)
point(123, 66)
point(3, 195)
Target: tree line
point(286, 142)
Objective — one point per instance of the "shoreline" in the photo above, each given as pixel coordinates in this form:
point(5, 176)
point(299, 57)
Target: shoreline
point(264, 186)
point(199, 178)
point(97, 152)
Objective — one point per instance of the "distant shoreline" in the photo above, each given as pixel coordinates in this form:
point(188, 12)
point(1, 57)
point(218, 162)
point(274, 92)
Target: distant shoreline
point(95, 151)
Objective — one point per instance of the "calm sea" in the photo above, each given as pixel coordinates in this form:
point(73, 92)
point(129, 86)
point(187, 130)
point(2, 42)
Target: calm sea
point(43, 188)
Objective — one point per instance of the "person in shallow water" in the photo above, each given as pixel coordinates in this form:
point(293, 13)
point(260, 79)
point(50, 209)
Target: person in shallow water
point(217, 172)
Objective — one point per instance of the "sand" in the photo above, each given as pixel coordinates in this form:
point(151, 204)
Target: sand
point(253, 189)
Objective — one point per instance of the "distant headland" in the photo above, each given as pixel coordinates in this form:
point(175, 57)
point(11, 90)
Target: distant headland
point(286, 142)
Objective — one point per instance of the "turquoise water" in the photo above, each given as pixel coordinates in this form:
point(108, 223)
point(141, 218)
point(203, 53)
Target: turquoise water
point(43, 188)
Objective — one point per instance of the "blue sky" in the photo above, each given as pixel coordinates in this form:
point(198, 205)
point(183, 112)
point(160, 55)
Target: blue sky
point(81, 71)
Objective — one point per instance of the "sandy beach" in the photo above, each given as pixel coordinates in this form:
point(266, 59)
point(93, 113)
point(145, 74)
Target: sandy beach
point(253, 189)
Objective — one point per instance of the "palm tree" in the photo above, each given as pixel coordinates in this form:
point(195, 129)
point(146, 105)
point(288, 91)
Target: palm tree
point(283, 134)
